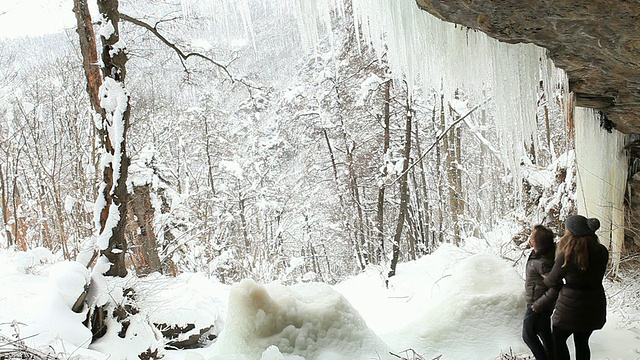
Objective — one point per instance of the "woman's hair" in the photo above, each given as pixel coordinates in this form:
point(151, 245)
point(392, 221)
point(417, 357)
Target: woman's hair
point(575, 249)
point(543, 237)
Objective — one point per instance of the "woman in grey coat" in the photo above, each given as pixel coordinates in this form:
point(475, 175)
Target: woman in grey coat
point(536, 327)
point(580, 265)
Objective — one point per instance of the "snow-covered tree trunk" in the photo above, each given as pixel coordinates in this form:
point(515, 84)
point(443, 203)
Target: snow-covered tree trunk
point(110, 210)
point(110, 100)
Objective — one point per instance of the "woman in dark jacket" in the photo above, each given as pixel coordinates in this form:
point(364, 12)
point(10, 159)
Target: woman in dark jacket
point(578, 271)
point(536, 327)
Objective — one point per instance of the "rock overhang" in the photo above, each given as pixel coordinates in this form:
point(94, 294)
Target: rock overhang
point(596, 42)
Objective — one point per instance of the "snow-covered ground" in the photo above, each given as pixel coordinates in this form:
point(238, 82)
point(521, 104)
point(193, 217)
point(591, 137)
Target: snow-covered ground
point(460, 303)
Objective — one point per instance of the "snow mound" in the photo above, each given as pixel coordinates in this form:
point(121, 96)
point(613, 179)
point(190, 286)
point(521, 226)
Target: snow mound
point(478, 311)
point(188, 299)
point(25, 262)
point(56, 327)
point(304, 321)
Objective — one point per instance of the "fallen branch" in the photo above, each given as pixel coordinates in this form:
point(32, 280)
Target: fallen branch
point(15, 348)
point(512, 356)
point(412, 355)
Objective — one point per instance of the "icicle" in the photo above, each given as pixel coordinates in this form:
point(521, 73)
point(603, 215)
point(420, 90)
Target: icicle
point(226, 10)
point(601, 166)
point(244, 11)
point(186, 8)
point(427, 52)
point(314, 17)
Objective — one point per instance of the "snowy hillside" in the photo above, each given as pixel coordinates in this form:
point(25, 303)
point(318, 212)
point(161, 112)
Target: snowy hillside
point(461, 303)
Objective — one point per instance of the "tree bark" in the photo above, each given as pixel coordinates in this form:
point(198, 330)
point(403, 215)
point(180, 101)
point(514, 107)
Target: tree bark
point(146, 244)
point(89, 52)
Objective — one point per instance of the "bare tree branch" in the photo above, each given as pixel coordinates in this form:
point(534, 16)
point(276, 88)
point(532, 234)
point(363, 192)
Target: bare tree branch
point(451, 126)
point(181, 54)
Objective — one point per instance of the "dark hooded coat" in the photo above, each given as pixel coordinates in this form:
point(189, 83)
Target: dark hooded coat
point(581, 305)
point(540, 296)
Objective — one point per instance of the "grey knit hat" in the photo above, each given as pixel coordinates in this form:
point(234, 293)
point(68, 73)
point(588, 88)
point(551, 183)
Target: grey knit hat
point(581, 226)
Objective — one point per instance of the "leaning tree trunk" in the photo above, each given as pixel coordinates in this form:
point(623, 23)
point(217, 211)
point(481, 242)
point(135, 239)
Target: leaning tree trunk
point(359, 238)
point(343, 206)
point(452, 164)
point(441, 164)
point(386, 115)
point(110, 100)
point(404, 194)
point(421, 189)
point(5, 208)
point(460, 203)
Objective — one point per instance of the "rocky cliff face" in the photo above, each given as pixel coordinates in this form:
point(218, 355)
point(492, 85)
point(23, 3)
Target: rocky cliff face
point(596, 42)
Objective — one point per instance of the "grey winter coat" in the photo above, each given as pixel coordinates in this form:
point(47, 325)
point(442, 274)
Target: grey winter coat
point(582, 304)
point(540, 296)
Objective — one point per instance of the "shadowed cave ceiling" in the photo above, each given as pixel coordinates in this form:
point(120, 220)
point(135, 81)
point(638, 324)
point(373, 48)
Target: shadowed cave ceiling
point(596, 42)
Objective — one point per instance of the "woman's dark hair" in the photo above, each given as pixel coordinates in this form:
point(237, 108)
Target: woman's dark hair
point(543, 237)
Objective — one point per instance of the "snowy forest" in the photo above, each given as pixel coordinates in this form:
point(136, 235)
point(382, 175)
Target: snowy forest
point(286, 142)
